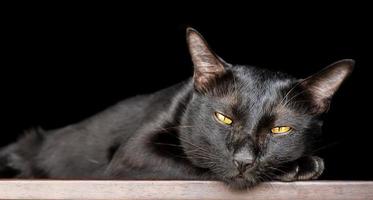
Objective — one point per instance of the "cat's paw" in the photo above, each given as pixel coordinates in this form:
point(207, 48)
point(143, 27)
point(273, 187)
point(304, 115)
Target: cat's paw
point(306, 168)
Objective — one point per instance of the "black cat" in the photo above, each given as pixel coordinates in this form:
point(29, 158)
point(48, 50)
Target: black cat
point(238, 124)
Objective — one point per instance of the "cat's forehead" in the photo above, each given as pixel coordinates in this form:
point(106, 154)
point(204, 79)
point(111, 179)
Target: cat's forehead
point(252, 89)
point(260, 83)
point(257, 90)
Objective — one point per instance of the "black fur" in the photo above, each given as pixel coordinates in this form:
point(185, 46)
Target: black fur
point(172, 134)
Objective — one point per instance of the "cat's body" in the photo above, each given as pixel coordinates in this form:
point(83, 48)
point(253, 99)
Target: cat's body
point(85, 149)
point(179, 132)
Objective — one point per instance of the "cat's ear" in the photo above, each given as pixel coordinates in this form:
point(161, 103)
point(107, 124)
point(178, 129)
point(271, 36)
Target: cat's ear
point(208, 67)
point(322, 85)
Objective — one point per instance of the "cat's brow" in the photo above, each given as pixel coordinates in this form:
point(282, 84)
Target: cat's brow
point(231, 100)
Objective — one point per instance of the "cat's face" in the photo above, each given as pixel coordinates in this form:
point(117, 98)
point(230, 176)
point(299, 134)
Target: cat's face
point(245, 122)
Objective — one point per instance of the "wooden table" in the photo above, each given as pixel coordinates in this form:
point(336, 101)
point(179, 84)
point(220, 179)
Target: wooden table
point(65, 189)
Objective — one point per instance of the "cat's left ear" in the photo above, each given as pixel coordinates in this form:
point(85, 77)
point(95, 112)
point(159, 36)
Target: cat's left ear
point(208, 67)
point(322, 85)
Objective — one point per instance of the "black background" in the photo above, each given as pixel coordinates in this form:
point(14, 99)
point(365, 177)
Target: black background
point(63, 63)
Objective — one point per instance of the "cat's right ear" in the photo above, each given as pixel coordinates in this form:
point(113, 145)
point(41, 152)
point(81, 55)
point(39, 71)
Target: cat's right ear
point(322, 85)
point(208, 67)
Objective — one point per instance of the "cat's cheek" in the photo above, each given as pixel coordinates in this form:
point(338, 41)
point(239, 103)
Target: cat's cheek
point(285, 148)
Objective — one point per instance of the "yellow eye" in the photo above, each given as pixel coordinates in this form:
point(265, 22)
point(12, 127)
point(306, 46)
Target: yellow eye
point(223, 119)
point(281, 129)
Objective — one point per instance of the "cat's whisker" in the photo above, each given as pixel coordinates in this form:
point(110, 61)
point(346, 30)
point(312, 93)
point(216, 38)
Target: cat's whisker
point(207, 156)
point(267, 181)
point(166, 144)
point(173, 127)
point(293, 97)
point(298, 84)
point(236, 92)
point(289, 91)
point(200, 155)
point(210, 154)
point(324, 147)
point(276, 169)
point(184, 139)
point(190, 143)
point(266, 178)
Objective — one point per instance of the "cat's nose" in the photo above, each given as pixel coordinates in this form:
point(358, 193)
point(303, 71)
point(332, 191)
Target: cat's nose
point(243, 165)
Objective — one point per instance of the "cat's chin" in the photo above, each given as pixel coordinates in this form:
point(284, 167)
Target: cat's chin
point(239, 183)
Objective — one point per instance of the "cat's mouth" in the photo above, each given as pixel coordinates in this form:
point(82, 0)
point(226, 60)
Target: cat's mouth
point(247, 180)
point(242, 181)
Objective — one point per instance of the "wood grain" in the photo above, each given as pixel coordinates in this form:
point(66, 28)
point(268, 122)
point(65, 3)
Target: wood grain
point(65, 189)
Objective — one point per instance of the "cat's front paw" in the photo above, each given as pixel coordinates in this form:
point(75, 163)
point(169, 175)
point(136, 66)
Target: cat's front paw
point(306, 168)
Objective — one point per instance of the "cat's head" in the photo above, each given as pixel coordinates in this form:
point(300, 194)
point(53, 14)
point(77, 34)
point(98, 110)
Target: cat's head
point(244, 122)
